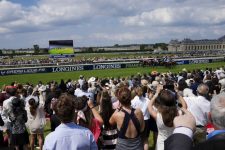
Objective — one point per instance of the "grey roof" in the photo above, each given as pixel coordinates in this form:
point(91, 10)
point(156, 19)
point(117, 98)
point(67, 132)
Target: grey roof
point(204, 41)
point(221, 38)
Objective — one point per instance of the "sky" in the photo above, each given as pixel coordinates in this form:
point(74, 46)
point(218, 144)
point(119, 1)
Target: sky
point(24, 23)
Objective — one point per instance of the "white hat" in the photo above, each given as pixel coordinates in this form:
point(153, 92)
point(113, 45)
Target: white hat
point(92, 79)
point(184, 69)
point(42, 88)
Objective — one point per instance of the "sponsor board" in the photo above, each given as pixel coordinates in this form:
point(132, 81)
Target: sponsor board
point(199, 61)
point(54, 69)
point(98, 66)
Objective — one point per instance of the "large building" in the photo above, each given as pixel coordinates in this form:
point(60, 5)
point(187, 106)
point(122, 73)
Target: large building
point(131, 47)
point(194, 45)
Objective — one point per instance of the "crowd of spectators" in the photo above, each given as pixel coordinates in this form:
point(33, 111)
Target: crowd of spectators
point(28, 62)
point(182, 111)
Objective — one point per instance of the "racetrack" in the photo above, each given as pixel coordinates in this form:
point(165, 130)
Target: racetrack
point(45, 77)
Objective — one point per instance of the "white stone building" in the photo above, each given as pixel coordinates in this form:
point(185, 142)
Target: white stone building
point(193, 45)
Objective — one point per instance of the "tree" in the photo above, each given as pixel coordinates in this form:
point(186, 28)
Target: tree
point(142, 47)
point(90, 50)
point(36, 49)
point(161, 45)
point(1, 52)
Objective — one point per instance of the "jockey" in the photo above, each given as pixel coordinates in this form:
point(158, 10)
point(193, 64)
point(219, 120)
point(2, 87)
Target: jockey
point(165, 59)
point(155, 60)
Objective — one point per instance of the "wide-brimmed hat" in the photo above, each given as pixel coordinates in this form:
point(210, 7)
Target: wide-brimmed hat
point(154, 72)
point(92, 79)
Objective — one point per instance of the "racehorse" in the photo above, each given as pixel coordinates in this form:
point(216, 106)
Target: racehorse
point(153, 63)
point(144, 63)
point(148, 63)
point(169, 64)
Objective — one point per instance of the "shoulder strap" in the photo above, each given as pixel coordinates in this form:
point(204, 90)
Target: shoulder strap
point(126, 120)
point(135, 121)
point(124, 126)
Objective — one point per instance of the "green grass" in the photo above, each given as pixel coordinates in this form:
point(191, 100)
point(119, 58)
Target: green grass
point(45, 77)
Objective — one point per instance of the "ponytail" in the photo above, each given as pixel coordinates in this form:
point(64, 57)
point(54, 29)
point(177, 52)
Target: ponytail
point(33, 106)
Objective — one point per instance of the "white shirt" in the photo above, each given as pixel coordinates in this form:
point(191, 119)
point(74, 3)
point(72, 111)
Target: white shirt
point(83, 93)
point(77, 91)
point(219, 73)
point(199, 107)
point(141, 103)
point(6, 108)
point(81, 82)
point(188, 93)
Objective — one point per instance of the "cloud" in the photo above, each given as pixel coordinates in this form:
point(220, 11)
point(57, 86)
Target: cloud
point(118, 37)
point(10, 11)
point(45, 15)
point(103, 22)
point(168, 16)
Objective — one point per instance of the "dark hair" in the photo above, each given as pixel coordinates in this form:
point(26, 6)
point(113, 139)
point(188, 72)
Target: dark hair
point(106, 108)
point(169, 85)
point(11, 91)
point(84, 86)
point(65, 108)
point(71, 91)
point(167, 106)
point(79, 104)
point(17, 106)
point(197, 78)
point(182, 85)
point(145, 90)
point(124, 96)
point(33, 106)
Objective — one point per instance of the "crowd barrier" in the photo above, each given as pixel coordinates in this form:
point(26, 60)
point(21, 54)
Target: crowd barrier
point(98, 66)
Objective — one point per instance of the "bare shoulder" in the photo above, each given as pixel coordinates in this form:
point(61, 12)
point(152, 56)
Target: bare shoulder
point(117, 113)
point(138, 111)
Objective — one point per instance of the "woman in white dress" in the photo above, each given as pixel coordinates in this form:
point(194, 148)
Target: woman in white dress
point(36, 119)
point(166, 111)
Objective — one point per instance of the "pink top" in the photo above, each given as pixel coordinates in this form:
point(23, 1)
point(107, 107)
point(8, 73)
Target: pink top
point(96, 129)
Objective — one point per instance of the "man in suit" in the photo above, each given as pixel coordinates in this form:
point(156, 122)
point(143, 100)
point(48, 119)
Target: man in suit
point(181, 139)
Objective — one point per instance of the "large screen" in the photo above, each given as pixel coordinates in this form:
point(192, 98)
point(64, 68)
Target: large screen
point(61, 47)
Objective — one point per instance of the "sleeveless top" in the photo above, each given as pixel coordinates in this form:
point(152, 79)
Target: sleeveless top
point(163, 132)
point(124, 142)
